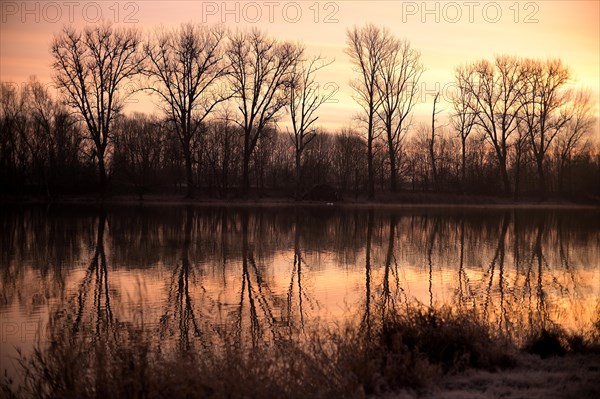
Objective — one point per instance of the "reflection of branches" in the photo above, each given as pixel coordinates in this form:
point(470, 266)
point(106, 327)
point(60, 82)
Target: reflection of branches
point(388, 297)
point(497, 259)
point(296, 271)
point(541, 294)
point(257, 294)
point(366, 322)
point(96, 270)
point(261, 287)
point(503, 311)
point(254, 323)
point(224, 244)
point(179, 297)
point(12, 242)
point(464, 288)
point(565, 258)
point(388, 260)
point(536, 257)
point(430, 244)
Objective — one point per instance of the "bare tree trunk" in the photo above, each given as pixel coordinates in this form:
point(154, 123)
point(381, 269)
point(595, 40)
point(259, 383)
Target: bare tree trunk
point(246, 168)
point(297, 176)
point(517, 177)
point(225, 173)
point(463, 164)
point(393, 171)
point(542, 177)
point(102, 174)
point(505, 179)
point(432, 145)
point(189, 174)
point(371, 183)
point(367, 316)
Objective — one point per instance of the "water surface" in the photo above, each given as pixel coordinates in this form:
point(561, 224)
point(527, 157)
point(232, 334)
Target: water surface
point(187, 272)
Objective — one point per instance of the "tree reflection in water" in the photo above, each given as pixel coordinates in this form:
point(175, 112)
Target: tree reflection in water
point(95, 279)
point(296, 274)
point(180, 303)
point(265, 274)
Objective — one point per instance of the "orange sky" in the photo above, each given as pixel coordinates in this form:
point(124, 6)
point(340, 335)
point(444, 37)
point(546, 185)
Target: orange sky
point(447, 33)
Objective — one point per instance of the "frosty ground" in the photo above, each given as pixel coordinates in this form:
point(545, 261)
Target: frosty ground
point(575, 376)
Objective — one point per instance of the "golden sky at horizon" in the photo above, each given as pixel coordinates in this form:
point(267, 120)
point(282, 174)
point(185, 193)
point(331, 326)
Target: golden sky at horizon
point(448, 33)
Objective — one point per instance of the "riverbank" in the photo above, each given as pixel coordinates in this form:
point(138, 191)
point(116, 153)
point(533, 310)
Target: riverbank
point(566, 377)
point(402, 200)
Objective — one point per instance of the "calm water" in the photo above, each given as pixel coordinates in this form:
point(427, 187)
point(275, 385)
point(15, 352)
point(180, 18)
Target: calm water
point(187, 271)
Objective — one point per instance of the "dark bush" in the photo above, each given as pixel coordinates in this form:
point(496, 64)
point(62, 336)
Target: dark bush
point(322, 192)
point(547, 343)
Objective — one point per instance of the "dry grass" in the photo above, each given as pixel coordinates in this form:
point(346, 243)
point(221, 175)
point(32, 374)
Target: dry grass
point(408, 350)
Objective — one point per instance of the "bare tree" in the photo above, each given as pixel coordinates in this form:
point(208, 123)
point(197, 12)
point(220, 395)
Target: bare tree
point(37, 129)
point(260, 73)
point(9, 115)
point(185, 68)
point(580, 123)
point(431, 143)
point(91, 67)
point(305, 98)
point(418, 152)
point(348, 159)
point(139, 142)
point(366, 47)
point(463, 120)
point(495, 89)
point(397, 87)
point(223, 150)
point(521, 150)
point(542, 98)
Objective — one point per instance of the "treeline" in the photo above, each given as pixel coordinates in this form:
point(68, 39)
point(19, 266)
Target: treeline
point(516, 127)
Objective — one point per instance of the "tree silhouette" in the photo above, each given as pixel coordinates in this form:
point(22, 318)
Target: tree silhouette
point(367, 48)
point(463, 120)
point(495, 94)
point(580, 122)
point(542, 100)
point(397, 87)
point(260, 73)
point(185, 70)
point(139, 142)
point(304, 100)
point(92, 67)
point(514, 121)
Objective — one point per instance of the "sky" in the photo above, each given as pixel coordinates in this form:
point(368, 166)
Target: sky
point(447, 33)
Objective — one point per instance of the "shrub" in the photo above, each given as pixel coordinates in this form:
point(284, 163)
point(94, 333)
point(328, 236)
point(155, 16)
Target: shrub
point(402, 350)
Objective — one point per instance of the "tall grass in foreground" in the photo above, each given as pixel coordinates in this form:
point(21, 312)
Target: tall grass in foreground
point(403, 349)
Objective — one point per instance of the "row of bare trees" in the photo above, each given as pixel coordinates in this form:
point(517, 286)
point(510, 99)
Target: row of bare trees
point(523, 107)
point(40, 142)
point(192, 70)
point(513, 121)
point(146, 157)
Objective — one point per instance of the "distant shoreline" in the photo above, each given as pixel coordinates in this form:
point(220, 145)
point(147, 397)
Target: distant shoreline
point(386, 201)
